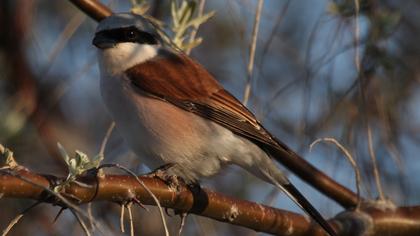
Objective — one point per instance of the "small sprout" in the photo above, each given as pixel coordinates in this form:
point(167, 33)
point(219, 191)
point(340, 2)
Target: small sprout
point(9, 161)
point(78, 164)
point(183, 21)
point(63, 153)
point(139, 7)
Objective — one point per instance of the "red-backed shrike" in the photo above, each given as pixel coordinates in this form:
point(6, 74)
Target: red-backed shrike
point(170, 110)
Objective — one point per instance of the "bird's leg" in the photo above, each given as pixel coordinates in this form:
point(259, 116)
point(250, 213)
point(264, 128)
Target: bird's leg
point(159, 172)
point(165, 174)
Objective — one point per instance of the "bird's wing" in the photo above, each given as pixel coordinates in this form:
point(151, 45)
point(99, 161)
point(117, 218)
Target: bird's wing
point(183, 82)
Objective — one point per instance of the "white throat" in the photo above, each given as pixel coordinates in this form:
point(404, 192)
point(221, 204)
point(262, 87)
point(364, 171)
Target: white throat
point(123, 56)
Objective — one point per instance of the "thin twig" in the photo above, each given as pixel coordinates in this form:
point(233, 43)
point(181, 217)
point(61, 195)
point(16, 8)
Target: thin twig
point(387, 136)
point(356, 36)
point(130, 217)
point(266, 46)
point(66, 202)
point(17, 218)
point(106, 138)
point(89, 213)
point(307, 81)
point(122, 228)
point(102, 154)
point(349, 158)
point(273, 32)
point(374, 163)
point(252, 48)
point(362, 92)
point(65, 35)
point(11, 224)
point(81, 222)
point(145, 187)
point(195, 29)
point(181, 226)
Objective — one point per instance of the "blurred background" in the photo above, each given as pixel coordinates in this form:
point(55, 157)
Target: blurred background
point(305, 86)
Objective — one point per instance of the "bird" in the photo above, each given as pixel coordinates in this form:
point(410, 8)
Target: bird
point(171, 111)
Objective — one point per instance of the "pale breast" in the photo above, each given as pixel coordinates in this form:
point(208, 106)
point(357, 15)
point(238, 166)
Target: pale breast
point(161, 133)
point(158, 131)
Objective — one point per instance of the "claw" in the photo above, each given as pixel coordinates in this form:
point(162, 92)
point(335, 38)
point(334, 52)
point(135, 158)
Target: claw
point(59, 213)
point(173, 181)
point(159, 171)
point(137, 201)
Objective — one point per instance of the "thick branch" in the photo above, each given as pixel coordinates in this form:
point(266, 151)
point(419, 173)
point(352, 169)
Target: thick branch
point(204, 202)
point(119, 188)
point(93, 8)
point(320, 181)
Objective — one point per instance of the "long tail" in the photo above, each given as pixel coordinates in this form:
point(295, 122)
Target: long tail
point(267, 171)
point(279, 180)
point(294, 194)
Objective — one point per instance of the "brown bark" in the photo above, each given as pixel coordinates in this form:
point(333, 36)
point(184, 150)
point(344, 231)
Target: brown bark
point(93, 8)
point(121, 189)
point(371, 220)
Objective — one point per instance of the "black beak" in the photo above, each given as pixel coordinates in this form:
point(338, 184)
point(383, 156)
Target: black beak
point(103, 42)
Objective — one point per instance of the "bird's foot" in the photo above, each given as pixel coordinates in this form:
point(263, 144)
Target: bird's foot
point(164, 173)
point(160, 172)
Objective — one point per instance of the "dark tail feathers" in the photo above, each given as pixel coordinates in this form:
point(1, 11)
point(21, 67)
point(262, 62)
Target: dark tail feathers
point(308, 208)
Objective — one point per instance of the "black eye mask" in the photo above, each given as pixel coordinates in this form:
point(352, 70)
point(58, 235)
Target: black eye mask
point(128, 34)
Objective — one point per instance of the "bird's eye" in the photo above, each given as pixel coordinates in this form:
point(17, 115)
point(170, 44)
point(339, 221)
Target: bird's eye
point(131, 35)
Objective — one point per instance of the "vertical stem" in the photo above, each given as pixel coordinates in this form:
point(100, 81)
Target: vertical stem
point(252, 47)
point(362, 92)
point(130, 215)
point(374, 163)
point(106, 138)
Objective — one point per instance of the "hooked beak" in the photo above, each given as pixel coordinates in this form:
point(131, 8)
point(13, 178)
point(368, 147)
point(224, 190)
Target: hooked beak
point(103, 42)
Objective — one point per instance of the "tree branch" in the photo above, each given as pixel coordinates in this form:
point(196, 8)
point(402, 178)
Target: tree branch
point(93, 8)
point(373, 220)
point(119, 188)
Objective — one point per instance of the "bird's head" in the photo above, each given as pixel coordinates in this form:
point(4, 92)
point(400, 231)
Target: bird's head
point(124, 40)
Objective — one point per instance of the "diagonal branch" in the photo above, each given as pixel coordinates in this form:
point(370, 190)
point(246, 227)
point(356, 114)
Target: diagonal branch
point(92, 8)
